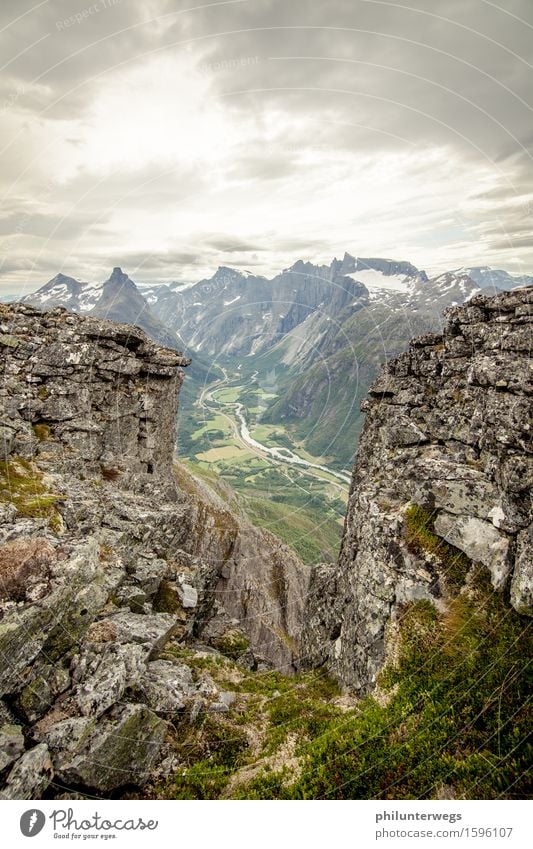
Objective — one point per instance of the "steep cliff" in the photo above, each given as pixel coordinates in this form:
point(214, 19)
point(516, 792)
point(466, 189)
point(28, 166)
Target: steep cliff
point(110, 554)
point(441, 485)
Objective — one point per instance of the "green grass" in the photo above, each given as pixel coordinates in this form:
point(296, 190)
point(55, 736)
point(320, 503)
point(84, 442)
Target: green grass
point(457, 717)
point(421, 537)
point(227, 396)
point(214, 424)
point(312, 535)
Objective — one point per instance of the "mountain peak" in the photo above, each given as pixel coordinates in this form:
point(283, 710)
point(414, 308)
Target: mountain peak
point(302, 266)
point(118, 276)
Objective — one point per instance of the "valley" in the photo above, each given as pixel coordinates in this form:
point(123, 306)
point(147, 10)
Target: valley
point(281, 486)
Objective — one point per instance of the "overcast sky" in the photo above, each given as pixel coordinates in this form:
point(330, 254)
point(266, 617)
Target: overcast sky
point(172, 136)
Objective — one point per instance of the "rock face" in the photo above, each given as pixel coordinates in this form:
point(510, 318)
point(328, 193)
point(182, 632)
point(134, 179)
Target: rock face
point(110, 555)
point(442, 481)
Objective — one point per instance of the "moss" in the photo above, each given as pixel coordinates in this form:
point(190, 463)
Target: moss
point(21, 484)
point(204, 780)
point(43, 393)
point(233, 644)
point(35, 699)
point(421, 537)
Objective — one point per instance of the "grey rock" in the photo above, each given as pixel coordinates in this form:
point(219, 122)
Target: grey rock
point(54, 625)
point(103, 672)
point(66, 738)
point(167, 687)
point(480, 541)
point(468, 392)
point(522, 583)
point(30, 775)
point(152, 631)
point(149, 574)
point(189, 596)
point(121, 751)
point(11, 744)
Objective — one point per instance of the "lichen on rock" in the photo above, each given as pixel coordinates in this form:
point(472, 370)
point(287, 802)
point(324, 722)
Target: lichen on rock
point(109, 553)
point(442, 482)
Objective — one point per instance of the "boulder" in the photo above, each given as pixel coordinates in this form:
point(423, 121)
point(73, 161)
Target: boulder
point(103, 672)
point(166, 687)
point(522, 583)
point(11, 744)
point(56, 623)
point(121, 751)
point(480, 541)
point(30, 776)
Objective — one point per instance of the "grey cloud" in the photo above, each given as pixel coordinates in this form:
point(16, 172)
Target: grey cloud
point(59, 227)
point(512, 243)
point(230, 244)
point(354, 77)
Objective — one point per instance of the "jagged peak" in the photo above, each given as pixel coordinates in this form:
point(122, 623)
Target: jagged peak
point(302, 265)
point(118, 276)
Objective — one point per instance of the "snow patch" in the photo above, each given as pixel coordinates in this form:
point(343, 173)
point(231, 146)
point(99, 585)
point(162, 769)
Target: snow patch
point(377, 281)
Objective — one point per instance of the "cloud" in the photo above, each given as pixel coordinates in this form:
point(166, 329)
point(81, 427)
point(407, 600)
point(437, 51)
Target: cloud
point(248, 132)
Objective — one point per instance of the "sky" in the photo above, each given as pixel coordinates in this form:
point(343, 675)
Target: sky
point(173, 136)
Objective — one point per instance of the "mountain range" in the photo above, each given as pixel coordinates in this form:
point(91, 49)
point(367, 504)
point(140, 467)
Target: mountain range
point(318, 334)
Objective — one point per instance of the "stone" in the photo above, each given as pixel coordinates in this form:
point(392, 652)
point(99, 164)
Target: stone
point(480, 541)
point(35, 699)
point(152, 631)
point(66, 738)
point(167, 687)
point(469, 471)
point(11, 744)
point(121, 751)
point(522, 582)
point(404, 432)
point(149, 574)
point(132, 596)
point(103, 672)
point(189, 595)
point(30, 776)
point(54, 625)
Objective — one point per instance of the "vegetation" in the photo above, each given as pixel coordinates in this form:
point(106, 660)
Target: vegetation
point(303, 508)
point(420, 536)
point(42, 432)
point(21, 484)
point(453, 722)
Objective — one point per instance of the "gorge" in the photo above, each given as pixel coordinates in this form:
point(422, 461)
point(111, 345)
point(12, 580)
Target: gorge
point(139, 602)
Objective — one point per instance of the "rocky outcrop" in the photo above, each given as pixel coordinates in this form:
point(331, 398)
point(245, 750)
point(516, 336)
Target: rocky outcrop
point(442, 482)
point(110, 557)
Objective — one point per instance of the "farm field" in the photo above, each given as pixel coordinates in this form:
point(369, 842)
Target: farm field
point(303, 506)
